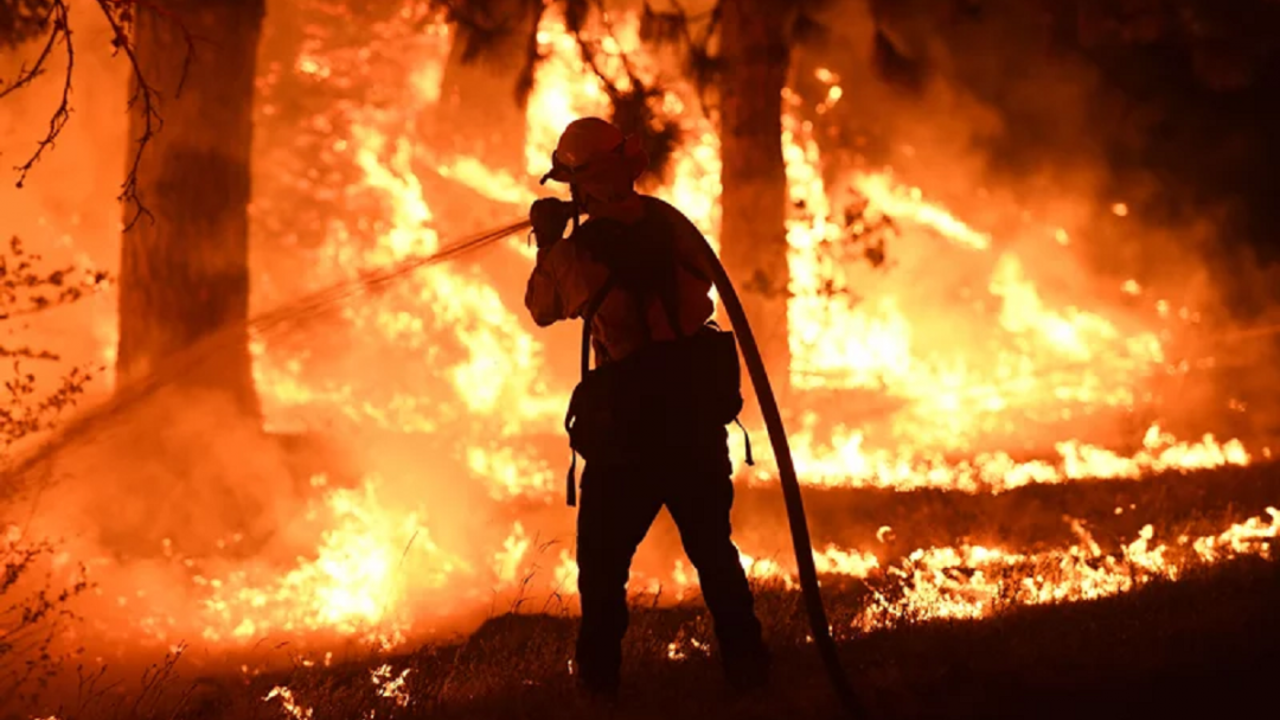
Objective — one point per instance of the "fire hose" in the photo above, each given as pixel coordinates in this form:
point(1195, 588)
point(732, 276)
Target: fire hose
point(805, 568)
point(266, 323)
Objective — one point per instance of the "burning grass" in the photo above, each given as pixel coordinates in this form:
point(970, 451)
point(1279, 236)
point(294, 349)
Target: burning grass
point(1157, 648)
point(908, 620)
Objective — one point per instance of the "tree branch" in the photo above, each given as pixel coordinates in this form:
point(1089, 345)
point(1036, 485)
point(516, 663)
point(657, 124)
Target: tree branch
point(121, 19)
point(700, 64)
point(533, 56)
point(120, 16)
point(632, 107)
point(60, 32)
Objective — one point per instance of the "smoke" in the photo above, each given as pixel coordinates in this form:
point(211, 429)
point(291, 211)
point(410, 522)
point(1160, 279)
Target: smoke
point(994, 110)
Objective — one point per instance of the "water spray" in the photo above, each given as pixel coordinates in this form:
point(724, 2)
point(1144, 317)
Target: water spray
point(208, 348)
point(274, 321)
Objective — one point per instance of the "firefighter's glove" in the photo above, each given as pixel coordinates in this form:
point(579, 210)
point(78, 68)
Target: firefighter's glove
point(550, 217)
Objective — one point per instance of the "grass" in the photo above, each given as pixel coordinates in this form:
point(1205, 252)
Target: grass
point(1201, 647)
point(1204, 646)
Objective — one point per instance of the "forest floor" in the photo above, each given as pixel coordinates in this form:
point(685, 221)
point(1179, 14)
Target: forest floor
point(1207, 645)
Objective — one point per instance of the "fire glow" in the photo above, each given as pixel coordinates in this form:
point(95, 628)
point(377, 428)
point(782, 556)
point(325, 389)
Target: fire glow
point(965, 371)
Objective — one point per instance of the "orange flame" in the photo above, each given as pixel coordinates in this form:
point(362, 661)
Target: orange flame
point(960, 339)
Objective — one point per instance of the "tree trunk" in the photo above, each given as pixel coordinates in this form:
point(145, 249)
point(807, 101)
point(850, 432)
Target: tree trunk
point(754, 196)
point(185, 274)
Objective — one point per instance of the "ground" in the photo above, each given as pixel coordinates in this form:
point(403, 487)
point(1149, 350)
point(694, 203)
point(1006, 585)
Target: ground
point(1205, 645)
point(1202, 646)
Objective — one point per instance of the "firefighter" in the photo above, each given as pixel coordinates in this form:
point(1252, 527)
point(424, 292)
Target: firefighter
point(647, 426)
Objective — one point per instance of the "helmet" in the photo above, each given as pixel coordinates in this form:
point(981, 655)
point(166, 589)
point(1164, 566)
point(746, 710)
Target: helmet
point(595, 150)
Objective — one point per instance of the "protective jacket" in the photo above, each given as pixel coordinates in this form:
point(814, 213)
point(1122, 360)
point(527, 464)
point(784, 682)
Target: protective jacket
point(568, 276)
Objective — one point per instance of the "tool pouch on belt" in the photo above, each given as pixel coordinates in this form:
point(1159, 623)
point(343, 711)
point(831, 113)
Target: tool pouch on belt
point(658, 395)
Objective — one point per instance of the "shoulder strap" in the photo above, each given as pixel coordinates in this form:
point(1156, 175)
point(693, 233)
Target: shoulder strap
point(588, 315)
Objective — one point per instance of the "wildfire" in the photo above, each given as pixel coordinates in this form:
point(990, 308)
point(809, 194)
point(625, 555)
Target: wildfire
point(972, 581)
point(371, 559)
point(843, 461)
point(1024, 355)
point(392, 688)
point(966, 339)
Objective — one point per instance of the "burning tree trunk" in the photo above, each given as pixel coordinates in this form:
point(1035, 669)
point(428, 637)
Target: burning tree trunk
point(755, 56)
point(184, 272)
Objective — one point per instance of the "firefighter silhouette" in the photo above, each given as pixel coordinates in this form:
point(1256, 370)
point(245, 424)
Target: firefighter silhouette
point(650, 419)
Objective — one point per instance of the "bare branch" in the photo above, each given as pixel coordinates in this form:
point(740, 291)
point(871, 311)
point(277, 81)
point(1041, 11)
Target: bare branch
point(633, 107)
point(25, 75)
point(26, 289)
point(120, 16)
point(59, 32)
point(700, 64)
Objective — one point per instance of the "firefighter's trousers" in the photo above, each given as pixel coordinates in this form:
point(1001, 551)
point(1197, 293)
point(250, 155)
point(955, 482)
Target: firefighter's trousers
point(618, 504)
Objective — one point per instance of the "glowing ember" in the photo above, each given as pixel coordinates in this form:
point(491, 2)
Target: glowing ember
point(288, 704)
point(684, 644)
point(390, 687)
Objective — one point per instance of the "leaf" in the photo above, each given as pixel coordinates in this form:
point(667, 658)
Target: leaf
point(633, 113)
point(703, 68)
point(532, 58)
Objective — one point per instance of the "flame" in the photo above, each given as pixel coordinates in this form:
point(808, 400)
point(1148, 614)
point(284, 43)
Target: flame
point(288, 703)
point(392, 688)
point(974, 581)
point(908, 203)
point(968, 341)
point(354, 586)
point(843, 461)
point(1032, 358)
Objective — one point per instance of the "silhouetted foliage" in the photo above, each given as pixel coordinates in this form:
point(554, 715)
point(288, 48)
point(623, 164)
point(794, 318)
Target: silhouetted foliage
point(31, 619)
point(34, 610)
point(23, 20)
point(27, 288)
